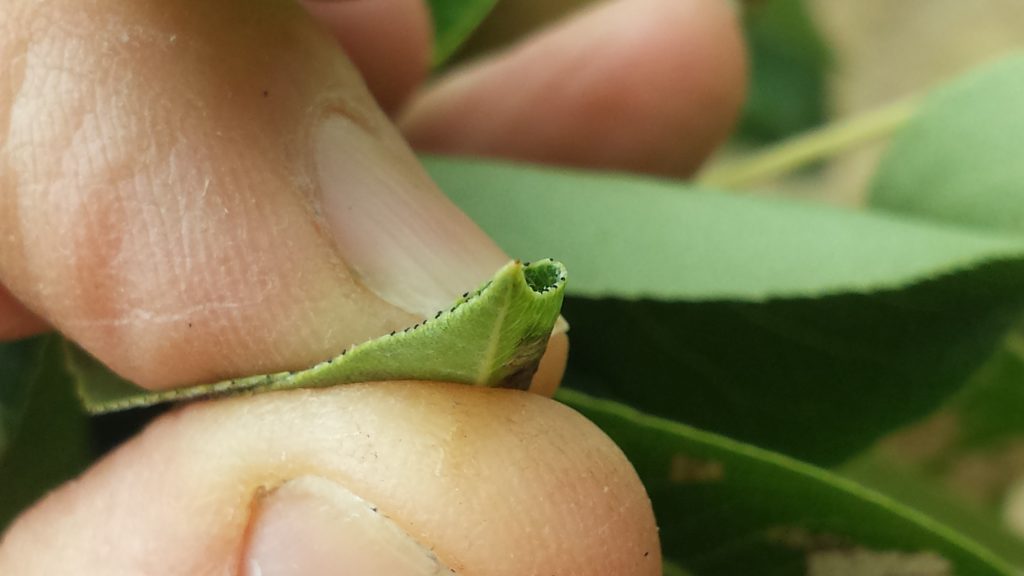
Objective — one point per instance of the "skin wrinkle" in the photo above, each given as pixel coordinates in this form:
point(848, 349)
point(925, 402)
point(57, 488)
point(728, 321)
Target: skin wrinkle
point(55, 80)
point(13, 47)
point(134, 316)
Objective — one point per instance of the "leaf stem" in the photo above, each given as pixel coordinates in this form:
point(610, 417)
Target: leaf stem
point(789, 155)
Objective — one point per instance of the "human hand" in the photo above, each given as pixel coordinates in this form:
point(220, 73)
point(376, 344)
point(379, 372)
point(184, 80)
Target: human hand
point(194, 192)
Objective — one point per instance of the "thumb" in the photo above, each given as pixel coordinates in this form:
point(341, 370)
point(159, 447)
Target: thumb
point(199, 190)
point(386, 479)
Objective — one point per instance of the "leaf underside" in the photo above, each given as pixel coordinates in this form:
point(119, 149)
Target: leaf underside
point(802, 328)
point(958, 160)
point(493, 336)
point(52, 441)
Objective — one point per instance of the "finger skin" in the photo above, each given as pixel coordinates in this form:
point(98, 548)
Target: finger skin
point(494, 482)
point(552, 366)
point(158, 199)
point(150, 203)
point(15, 321)
point(638, 85)
point(389, 41)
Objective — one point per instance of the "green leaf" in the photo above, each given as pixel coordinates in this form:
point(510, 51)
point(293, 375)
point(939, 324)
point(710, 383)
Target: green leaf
point(960, 464)
point(788, 64)
point(727, 508)
point(454, 21)
point(807, 329)
point(924, 492)
point(671, 569)
point(493, 336)
point(988, 411)
point(52, 444)
point(958, 160)
point(19, 363)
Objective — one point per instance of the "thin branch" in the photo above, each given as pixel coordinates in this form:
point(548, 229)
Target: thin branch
point(799, 151)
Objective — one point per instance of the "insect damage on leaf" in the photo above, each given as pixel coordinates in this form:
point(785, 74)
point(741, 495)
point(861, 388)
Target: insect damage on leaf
point(834, 555)
point(685, 469)
point(493, 336)
point(799, 538)
point(861, 562)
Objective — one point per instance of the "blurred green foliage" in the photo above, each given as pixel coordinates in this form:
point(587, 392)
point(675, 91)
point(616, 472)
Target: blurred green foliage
point(789, 63)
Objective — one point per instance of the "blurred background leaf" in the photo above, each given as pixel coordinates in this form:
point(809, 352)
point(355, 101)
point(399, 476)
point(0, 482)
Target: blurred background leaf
point(727, 508)
point(890, 471)
point(964, 464)
point(454, 21)
point(958, 160)
point(789, 63)
point(19, 362)
point(53, 442)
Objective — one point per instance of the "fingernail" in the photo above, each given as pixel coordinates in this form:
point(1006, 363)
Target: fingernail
point(396, 231)
point(311, 526)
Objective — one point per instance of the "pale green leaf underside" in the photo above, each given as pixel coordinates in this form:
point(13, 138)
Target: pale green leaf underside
point(494, 336)
point(724, 507)
point(633, 237)
point(758, 318)
point(958, 160)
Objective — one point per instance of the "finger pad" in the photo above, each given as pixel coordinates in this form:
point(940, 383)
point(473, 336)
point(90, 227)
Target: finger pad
point(496, 482)
point(651, 86)
point(388, 40)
